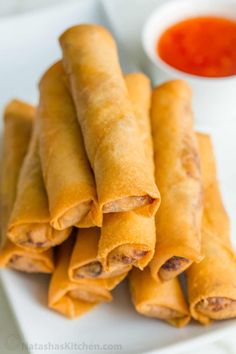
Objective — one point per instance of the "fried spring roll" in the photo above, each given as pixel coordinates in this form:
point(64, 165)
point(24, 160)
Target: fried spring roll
point(162, 300)
point(85, 263)
point(67, 174)
point(18, 126)
point(29, 223)
point(14, 257)
point(212, 282)
point(73, 299)
point(111, 134)
point(129, 238)
point(178, 176)
point(126, 239)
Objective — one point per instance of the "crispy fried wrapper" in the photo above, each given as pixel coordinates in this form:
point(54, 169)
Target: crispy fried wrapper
point(178, 177)
point(18, 118)
point(29, 223)
point(111, 133)
point(128, 237)
point(139, 90)
point(15, 257)
point(212, 282)
point(85, 263)
point(162, 300)
point(67, 173)
point(69, 298)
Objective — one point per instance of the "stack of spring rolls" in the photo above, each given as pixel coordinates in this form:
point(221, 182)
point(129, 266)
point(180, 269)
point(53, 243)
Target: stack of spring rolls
point(82, 175)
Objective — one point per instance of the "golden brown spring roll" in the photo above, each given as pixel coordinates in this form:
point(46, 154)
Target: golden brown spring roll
point(85, 263)
point(178, 176)
point(212, 282)
point(67, 174)
point(29, 223)
point(73, 299)
point(18, 119)
point(126, 239)
point(129, 238)
point(162, 300)
point(111, 134)
point(15, 257)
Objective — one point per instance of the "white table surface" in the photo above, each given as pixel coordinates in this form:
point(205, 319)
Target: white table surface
point(10, 338)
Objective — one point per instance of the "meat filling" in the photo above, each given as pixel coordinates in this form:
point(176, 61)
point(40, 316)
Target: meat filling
point(40, 236)
point(217, 307)
point(95, 270)
point(90, 270)
point(33, 236)
point(125, 255)
point(173, 267)
point(25, 264)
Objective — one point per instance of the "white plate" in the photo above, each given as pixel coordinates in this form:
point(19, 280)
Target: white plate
point(28, 46)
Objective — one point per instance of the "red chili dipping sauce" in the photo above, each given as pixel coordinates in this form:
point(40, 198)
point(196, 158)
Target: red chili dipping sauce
point(202, 46)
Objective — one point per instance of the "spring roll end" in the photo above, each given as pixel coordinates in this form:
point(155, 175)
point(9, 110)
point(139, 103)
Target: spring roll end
point(213, 308)
point(90, 270)
point(71, 216)
point(167, 265)
point(173, 267)
point(125, 255)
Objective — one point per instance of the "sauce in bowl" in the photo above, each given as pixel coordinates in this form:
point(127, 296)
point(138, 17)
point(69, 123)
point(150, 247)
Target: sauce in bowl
point(201, 46)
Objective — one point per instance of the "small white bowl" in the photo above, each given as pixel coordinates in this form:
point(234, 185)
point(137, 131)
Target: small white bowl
point(214, 99)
